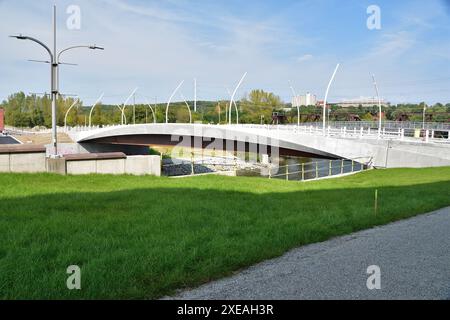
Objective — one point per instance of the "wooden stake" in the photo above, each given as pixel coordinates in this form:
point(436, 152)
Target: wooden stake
point(376, 201)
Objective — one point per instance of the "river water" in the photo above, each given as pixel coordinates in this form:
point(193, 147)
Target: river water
point(285, 168)
point(300, 168)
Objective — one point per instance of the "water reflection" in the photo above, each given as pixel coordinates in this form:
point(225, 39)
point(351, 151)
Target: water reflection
point(300, 168)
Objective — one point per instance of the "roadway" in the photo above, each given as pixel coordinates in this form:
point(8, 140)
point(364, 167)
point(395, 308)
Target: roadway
point(413, 255)
point(7, 140)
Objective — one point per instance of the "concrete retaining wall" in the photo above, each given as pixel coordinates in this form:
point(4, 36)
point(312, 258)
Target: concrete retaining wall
point(21, 160)
point(134, 165)
point(84, 148)
point(141, 165)
point(15, 160)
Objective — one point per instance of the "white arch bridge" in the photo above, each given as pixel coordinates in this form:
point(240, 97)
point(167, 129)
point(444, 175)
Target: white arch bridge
point(382, 148)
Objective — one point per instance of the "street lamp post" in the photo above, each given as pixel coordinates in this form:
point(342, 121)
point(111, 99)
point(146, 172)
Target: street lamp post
point(297, 105)
point(54, 79)
point(424, 115)
point(232, 100)
point(380, 123)
point(170, 100)
point(68, 110)
point(326, 100)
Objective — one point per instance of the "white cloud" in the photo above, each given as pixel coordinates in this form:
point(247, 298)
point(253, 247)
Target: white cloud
point(305, 57)
point(154, 45)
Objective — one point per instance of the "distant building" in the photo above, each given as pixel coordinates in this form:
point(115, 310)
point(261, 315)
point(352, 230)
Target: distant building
point(304, 100)
point(364, 102)
point(2, 120)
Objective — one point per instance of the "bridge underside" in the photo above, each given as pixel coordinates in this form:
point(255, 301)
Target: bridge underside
point(147, 140)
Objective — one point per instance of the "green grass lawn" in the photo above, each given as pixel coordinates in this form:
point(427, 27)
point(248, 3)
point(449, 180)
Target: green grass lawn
point(145, 237)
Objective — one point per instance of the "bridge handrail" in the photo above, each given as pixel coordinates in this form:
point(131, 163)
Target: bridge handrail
point(441, 136)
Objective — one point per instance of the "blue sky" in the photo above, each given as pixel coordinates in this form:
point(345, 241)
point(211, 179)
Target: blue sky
point(153, 45)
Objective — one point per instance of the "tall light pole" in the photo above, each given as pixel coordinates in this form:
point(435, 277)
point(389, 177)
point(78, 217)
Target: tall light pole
point(170, 100)
point(195, 95)
point(380, 123)
point(424, 115)
point(189, 108)
point(125, 104)
point(235, 108)
point(93, 107)
point(68, 111)
point(232, 99)
point(296, 103)
point(151, 108)
point(326, 98)
point(54, 62)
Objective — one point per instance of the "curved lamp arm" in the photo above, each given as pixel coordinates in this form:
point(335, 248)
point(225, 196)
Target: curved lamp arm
point(234, 94)
point(296, 104)
point(93, 107)
point(121, 114)
point(21, 37)
point(94, 47)
point(235, 108)
point(379, 105)
point(126, 101)
point(326, 98)
point(170, 100)
point(189, 108)
point(151, 108)
point(67, 113)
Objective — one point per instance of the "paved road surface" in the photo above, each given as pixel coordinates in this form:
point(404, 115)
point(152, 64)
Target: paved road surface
point(7, 140)
point(414, 257)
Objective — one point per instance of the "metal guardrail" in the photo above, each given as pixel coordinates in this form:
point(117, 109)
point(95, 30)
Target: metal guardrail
point(412, 131)
point(313, 170)
point(413, 135)
point(304, 171)
point(385, 124)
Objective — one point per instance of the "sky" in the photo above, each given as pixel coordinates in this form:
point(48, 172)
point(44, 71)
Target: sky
point(154, 45)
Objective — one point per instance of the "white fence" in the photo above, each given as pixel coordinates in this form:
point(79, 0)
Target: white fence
point(409, 132)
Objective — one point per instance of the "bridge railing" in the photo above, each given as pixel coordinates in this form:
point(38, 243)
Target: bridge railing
point(200, 163)
point(417, 135)
point(445, 126)
point(291, 172)
point(320, 169)
point(411, 134)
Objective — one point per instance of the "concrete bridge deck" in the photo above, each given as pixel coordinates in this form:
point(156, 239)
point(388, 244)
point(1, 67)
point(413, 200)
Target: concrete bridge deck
point(390, 150)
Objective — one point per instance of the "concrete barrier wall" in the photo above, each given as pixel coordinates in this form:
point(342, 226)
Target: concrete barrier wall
point(81, 167)
point(85, 148)
point(4, 163)
point(115, 166)
point(23, 162)
point(37, 162)
point(134, 165)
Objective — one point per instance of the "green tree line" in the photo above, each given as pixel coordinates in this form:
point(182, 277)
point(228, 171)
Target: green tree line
point(30, 111)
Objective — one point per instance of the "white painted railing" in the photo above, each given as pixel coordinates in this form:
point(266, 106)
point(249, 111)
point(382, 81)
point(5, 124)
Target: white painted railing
point(415, 135)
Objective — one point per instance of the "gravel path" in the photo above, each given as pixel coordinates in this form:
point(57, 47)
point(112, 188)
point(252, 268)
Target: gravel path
point(413, 256)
